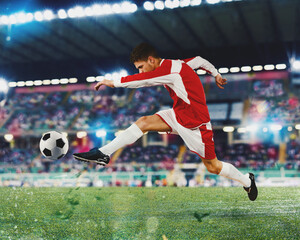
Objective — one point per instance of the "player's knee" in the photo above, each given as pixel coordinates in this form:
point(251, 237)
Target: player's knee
point(142, 123)
point(213, 167)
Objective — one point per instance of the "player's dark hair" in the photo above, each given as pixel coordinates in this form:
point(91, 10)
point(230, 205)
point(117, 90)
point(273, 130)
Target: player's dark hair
point(142, 51)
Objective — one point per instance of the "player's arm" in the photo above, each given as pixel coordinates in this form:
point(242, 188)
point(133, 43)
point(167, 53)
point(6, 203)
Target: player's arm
point(160, 76)
point(199, 62)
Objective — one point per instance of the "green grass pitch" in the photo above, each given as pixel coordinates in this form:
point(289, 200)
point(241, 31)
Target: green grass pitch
point(149, 213)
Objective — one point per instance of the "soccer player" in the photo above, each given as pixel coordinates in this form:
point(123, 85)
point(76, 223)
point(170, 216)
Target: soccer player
point(188, 118)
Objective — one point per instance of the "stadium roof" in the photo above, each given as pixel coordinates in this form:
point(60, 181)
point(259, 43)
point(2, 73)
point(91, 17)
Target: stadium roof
point(228, 34)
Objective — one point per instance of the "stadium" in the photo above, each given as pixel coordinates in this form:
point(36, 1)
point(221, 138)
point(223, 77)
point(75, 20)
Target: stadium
point(53, 53)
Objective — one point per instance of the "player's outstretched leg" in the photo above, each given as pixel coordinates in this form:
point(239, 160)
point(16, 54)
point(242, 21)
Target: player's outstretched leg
point(94, 155)
point(252, 190)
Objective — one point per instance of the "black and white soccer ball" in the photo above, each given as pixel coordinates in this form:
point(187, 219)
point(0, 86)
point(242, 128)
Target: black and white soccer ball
point(54, 145)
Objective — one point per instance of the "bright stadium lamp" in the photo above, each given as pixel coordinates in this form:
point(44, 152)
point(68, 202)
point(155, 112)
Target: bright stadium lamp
point(195, 2)
point(81, 134)
point(62, 14)
point(212, 1)
point(79, 11)
point(3, 85)
point(228, 129)
point(8, 137)
point(159, 5)
point(116, 8)
point(12, 19)
point(296, 65)
point(4, 19)
point(149, 6)
point(184, 3)
point(276, 127)
point(48, 15)
point(107, 9)
point(29, 17)
point(38, 16)
point(21, 17)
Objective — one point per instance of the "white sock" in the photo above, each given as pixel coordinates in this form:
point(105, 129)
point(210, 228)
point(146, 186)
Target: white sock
point(229, 171)
point(129, 136)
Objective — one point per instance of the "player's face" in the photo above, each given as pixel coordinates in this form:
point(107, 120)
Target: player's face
point(145, 66)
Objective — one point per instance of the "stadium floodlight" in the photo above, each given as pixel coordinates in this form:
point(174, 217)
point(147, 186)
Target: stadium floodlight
point(297, 126)
point(290, 128)
point(172, 4)
point(296, 65)
point(55, 81)
point(241, 130)
point(115, 76)
point(159, 5)
point(12, 84)
point(71, 13)
point(46, 82)
point(3, 85)
point(234, 69)
point(64, 81)
point(8, 137)
point(201, 72)
point(149, 6)
point(29, 17)
point(265, 129)
point(4, 20)
point(246, 69)
point(62, 14)
point(88, 11)
point(21, 84)
point(269, 67)
point(275, 127)
point(101, 133)
point(21, 17)
point(79, 12)
point(280, 66)
point(81, 134)
point(37, 82)
point(48, 15)
point(257, 68)
point(97, 9)
point(99, 78)
point(73, 80)
point(29, 83)
point(90, 79)
point(116, 8)
point(195, 2)
point(12, 19)
point(128, 7)
point(184, 3)
point(38, 16)
point(223, 70)
point(212, 1)
point(107, 9)
point(228, 129)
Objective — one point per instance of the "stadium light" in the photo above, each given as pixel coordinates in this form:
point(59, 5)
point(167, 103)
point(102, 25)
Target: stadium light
point(64, 81)
point(184, 3)
point(212, 1)
point(228, 129)
point(12, 84)
point(21, 84)
point(29, 83)
point(280, 66)
point(37, 83)
point(290, 128)
point(201, 72)
point(276, 127)
point(48, 15)
point(107, 9)
point(21, 17)
point(46, 82)
point(81, 134)
point(55, 81)
point(172, 4)
point(297, 126)
point(99, 78)
point(73, 80)
point(195, 2)
point(223, 70)
point(4, 19)
point(90, 79)
point(123, 73)
point(62, 14)
point(101, 133)
point(241, 130)
point(269, 67)
point(159, 5)
point(246, 69)
point(234, 69)
point(257, 68)
point(265, 129)
point(29, 17)
point(108, 76)
point(8, 137)
point(38, 16)
point(88, 11)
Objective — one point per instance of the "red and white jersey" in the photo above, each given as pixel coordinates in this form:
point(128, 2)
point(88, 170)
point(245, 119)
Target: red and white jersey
point(183, 84)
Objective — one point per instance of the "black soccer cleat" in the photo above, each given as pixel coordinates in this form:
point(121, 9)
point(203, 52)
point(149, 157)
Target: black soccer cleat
point(94, 156)
point(252, 190)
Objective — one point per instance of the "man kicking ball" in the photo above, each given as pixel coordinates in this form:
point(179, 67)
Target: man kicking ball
point(188, 118)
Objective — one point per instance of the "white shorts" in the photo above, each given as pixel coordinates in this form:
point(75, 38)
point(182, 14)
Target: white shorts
point(199, 140)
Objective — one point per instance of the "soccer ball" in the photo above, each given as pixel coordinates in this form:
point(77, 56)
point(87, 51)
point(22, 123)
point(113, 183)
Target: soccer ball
point(54, 145)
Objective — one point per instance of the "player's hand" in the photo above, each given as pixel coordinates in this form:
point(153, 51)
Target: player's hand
point(106, 82)
point(220, 81)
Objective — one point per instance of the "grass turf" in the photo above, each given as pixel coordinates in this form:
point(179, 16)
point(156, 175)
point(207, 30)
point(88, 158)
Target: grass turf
point(149, 213)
